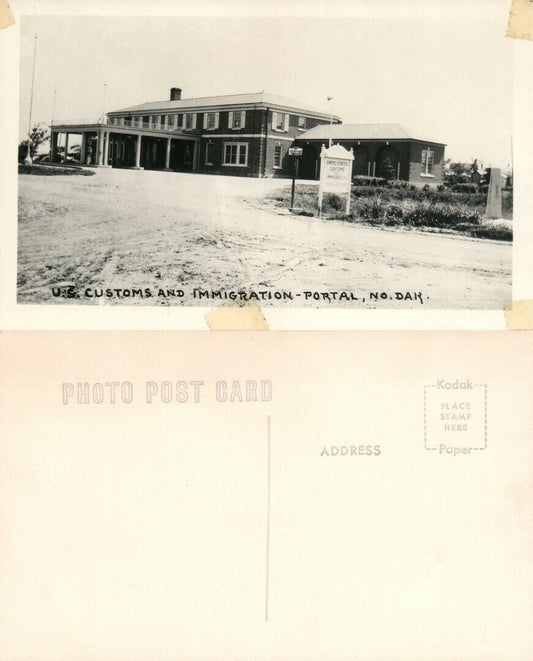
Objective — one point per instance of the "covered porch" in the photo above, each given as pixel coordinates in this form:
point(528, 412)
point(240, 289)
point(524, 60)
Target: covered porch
point(107, 145)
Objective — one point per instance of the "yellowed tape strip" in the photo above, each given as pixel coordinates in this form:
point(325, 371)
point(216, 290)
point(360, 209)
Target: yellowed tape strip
point(519, 316)
point(247, 316)
point(520, 24)
point(6, 17)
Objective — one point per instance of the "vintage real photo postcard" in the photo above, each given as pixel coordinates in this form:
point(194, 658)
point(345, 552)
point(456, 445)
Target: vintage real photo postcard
point(336, 162)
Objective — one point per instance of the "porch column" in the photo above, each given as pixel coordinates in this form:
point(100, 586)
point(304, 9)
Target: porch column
point(106, 148)
point(167, 155)
point(66, 147)
point(83, 147)
point(195, 156)
point(372, 151)
point(53, 146)
point(101, 136)
point(138, 153)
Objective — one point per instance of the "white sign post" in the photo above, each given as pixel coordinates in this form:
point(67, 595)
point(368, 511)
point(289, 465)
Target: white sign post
point(335, 173)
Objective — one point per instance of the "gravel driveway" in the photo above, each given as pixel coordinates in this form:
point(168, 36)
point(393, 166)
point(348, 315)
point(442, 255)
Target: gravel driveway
point(175, 235)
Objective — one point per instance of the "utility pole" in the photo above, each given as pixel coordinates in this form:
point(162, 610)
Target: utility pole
point(28, 159)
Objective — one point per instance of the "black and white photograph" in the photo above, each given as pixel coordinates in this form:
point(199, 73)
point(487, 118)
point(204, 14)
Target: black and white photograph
point(353, 162)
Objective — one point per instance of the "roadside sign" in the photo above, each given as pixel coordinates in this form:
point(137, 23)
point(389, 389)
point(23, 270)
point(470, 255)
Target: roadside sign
point(335, 172)
point(295, 151)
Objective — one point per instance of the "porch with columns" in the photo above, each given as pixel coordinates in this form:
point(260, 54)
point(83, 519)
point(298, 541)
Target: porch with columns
point(96, 139)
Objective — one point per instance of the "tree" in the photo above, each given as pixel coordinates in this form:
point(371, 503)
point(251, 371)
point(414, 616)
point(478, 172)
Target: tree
point(38, 136)
point(386, 169)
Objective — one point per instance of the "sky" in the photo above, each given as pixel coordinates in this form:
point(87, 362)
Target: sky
point(440, 76)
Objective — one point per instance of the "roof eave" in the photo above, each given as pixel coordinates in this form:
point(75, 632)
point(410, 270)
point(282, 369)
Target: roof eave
point(225, 106)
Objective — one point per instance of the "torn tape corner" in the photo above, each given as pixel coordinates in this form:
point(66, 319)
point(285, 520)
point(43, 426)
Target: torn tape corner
point(519, 315)
point(520, 25)
point(237, 316)
point(6, 16)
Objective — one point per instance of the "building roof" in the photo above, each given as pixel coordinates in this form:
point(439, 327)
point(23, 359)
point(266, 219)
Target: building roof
point(360, 132)
point(258, 98)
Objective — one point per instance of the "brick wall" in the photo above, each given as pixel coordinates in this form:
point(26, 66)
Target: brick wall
point(253, 167)
point(415, 169)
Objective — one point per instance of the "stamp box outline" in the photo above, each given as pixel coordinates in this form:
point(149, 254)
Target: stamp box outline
point(485, 397)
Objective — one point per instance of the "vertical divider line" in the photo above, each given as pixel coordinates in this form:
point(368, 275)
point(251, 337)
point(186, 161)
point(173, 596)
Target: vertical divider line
point(267, 577)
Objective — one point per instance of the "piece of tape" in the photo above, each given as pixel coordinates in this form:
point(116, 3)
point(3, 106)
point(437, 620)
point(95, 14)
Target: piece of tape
point(6, 17)
point(519, 315)
point(520, 24)
point(237, 316)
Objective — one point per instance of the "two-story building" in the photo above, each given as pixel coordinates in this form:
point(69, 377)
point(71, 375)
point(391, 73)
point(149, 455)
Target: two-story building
point(239, 134)
point(246, 135)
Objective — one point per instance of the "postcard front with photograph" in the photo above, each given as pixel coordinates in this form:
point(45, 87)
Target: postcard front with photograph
point(351, 162)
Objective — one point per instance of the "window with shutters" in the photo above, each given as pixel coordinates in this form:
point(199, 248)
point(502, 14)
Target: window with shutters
point(427, 162)
point(277, 156)
point(236, 154)
point(211, 121)
point(209, 150)
point(280, 122)
point(190, 120)
point(301, 124)
point(237, 119)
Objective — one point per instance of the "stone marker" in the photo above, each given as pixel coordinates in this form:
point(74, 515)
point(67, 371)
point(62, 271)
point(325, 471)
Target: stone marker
point(494, 198)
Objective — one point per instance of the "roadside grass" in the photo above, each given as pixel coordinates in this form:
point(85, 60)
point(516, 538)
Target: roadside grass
point(404, 208)
point(53, 170)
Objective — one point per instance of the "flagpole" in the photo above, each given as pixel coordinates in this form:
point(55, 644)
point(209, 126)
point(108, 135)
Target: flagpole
point(28, 159)
point(103, 102)
point(330, 98)
point(52, 122)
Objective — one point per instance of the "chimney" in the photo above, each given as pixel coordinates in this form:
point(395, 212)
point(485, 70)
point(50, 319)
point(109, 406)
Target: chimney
point(175, 93)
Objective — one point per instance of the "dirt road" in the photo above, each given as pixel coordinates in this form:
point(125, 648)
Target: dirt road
point(159, 231)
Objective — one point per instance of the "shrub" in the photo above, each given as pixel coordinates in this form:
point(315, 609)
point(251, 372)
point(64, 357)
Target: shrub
point(46, 171)
point(507, 203)
point(333, 201)
point(399, 183)
point(464, 188)
point(372, 191)
point(441, 215)
point(362, 180)
point(495, 231)
point(394, 212)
